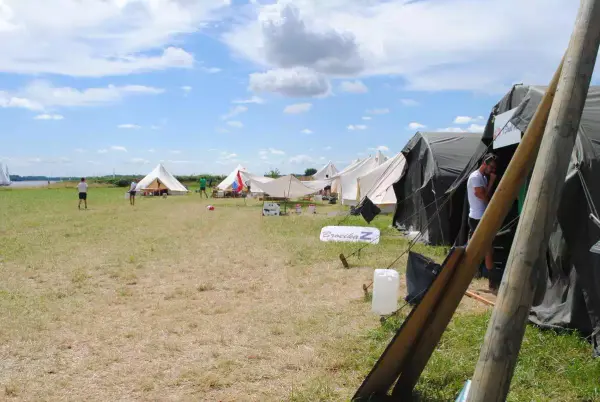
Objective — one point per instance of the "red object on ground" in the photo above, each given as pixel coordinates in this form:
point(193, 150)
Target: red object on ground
point(210, 208)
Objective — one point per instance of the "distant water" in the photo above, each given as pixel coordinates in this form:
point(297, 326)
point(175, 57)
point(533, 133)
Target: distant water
point(33, 183)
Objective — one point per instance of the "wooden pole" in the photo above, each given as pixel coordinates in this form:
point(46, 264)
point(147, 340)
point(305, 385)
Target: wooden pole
point(505, 332)
point(504, 196)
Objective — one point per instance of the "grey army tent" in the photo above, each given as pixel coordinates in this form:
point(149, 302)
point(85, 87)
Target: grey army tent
point(569, 291)
point(433, 162)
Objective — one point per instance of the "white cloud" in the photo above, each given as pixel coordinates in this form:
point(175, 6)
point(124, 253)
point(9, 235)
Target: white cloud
point(228, 155)
point(306, 131)
point(298, 108)
point(39, 95)
point(476, 128)
point(79, 150)
point(298, 82)
point(102, 151)
point(234, 112)
point(376, 38)
point(155, 127)
point(367, 118)
point(175, 151)
point(49, 117)
point(415, 126)
point(99, 38)
point(327, 148)
point(118, 148)
point(409, 102)
point(186, 89)
point(381, 148)
point(151, 151)
point(235, 124)
point(276, 151)
point(355, 87)
point(378, 111)
point(129, 126)
point(301, 159)
point(139, 161)
point(354, 127)
point(467, 119)
point(222, 130)
point(255, 99)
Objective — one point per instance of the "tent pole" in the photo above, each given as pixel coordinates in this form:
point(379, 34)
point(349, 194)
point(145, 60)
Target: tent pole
point(498, 358)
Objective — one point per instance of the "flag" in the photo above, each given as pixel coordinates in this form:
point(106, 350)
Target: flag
point(238, 184)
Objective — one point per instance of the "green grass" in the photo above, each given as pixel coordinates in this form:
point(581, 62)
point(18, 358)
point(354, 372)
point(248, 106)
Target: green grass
point(168, 300)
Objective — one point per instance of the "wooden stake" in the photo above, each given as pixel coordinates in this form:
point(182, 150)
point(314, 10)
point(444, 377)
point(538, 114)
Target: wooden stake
point(503, 339)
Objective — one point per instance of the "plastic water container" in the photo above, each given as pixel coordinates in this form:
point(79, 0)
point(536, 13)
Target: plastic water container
point(312, 209)
point(298, 208)
point(386, 283)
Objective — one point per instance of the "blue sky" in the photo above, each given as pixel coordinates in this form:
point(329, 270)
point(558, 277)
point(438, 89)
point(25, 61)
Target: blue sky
point(92, 86)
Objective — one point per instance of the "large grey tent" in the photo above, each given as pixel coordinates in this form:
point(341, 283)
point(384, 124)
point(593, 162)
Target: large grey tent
point(571, 295)
point(433, 162)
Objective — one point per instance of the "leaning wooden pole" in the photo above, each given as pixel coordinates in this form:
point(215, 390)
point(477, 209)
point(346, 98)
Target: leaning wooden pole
point(505, 332)
point(504, 196)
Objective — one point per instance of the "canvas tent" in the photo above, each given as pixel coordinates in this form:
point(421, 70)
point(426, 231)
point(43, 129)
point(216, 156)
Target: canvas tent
point(571, 295)
point(284, 187)
point(326, 172)
point(160, 179)
point(228, 181)
point(248, 177)
point(378, 183)
point(347, 182)
point(4, 177)
point(433, 162)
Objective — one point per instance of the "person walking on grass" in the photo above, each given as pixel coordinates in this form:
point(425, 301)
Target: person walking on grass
point(203, 187)
point(82, 188)
point(479, 190)
point(132, 192)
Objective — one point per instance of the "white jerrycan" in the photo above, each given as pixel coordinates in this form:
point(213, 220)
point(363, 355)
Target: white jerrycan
point(386, 283)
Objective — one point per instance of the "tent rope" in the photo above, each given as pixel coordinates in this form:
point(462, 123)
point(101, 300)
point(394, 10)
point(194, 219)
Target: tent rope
point(586, 191)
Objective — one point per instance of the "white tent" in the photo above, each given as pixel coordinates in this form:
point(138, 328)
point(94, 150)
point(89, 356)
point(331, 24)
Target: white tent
point(336, 182)
point(348, 182)
point(249, 177)
point(226, 184)
point(326, 172)
point(160, 179)
point(317, 185)
point(377, 184)
point(4, 176)
point(284, 187)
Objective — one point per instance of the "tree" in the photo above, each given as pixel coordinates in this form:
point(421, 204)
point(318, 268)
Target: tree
point(310, 171)
point(273, 173)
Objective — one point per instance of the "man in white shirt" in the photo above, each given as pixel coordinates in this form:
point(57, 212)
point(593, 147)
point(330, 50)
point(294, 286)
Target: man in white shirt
point(82, 189)
point(132, 192)
point(479, 192)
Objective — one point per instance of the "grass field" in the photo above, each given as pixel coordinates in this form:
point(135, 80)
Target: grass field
point(170, 301)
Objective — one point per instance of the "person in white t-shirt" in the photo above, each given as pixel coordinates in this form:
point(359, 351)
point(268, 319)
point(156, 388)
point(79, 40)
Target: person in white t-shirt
point(82, 189)
point(479, 192)
point(132, 192)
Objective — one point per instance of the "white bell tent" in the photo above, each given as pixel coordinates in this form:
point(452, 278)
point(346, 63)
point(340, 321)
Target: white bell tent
point(348, 182)
point(4, 176)
point(226, 184)
point(284, 187)
point(377, 184)
point(161, 179)
point(326, 172)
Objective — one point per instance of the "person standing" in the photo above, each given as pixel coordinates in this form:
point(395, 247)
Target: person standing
point(132, 188)
point(479, 192)
point(82, 188)
point(203, 187)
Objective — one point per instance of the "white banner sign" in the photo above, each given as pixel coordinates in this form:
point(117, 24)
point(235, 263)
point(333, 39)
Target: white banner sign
point(505, 133)
point(350, 234)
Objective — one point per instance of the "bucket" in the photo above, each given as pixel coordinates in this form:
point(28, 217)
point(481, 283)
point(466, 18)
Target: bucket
point(298, 208)
point(312, 209)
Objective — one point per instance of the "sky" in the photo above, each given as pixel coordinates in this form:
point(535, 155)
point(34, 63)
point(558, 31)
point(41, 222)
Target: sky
point(92, 87)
